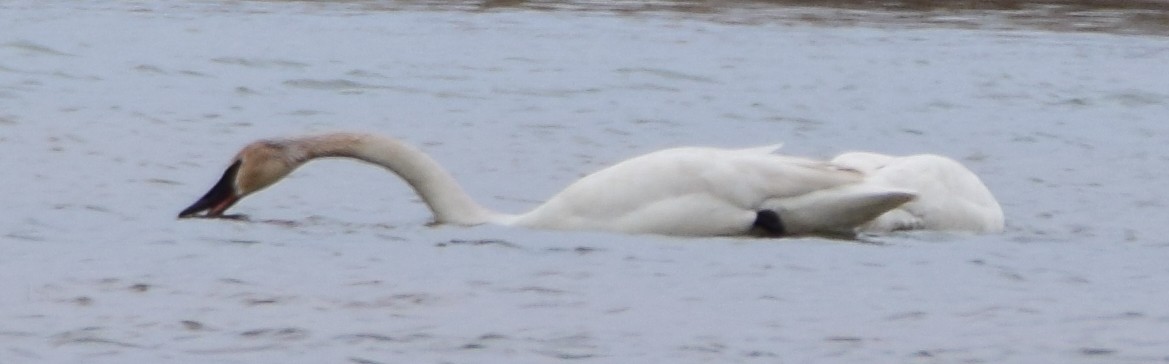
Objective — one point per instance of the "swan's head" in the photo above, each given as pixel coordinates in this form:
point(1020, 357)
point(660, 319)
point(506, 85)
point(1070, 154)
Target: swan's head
point(256, 167)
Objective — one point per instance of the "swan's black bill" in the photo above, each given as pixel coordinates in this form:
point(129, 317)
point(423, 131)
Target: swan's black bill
point(218, 199)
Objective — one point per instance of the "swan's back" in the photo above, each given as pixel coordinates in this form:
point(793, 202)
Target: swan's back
point(950, 196)
point(685, 191)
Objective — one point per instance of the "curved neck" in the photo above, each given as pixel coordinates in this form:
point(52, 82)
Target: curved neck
point(446, 199)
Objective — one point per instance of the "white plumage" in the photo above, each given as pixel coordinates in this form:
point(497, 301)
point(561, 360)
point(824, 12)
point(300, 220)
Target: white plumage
point(949, 196)
point(691, 191)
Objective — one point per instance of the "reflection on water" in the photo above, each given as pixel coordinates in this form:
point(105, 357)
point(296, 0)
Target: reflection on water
point(1112, 16)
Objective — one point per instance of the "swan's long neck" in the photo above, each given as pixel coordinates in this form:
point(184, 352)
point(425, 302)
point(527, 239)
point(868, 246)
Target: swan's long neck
point(446, 199)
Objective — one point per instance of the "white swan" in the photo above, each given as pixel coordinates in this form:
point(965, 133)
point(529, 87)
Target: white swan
point(683, 191)
point(949, 196)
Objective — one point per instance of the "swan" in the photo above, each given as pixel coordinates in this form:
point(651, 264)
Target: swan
point(949, 196)
point(687, 191)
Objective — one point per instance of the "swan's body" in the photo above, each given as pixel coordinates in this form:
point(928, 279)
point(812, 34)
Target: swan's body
point(949, 196)
point(682, 191)
point(710, 191)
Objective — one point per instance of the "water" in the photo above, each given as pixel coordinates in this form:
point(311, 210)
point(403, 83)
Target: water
point(113, 117)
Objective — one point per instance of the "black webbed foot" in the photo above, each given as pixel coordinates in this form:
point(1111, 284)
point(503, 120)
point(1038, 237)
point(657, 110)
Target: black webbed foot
point(767, 223)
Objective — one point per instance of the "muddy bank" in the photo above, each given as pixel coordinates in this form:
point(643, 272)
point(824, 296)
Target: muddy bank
point(1147, 17)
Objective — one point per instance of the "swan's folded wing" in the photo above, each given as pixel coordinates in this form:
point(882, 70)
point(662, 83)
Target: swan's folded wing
point(709, 191)
point(766, 177)
point(836, 210)
point(730, 184)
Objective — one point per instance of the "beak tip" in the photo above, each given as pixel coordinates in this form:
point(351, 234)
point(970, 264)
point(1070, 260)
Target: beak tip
point(221, 196)
point(188, 213)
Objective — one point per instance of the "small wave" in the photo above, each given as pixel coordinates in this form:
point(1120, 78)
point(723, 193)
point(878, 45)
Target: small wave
point(35, 48)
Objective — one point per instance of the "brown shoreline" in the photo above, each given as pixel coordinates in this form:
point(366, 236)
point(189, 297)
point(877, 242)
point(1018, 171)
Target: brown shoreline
point(1142, 17)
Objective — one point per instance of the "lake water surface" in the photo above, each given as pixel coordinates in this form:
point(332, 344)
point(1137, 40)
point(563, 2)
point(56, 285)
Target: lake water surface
point(114, 116)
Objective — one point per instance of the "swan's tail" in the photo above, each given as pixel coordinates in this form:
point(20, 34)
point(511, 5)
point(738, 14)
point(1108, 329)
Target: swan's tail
point(838, 210)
